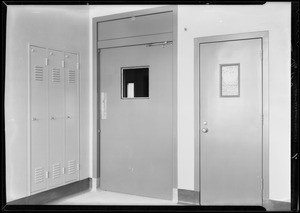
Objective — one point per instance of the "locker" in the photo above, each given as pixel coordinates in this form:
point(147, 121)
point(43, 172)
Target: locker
point(56, 117)
point(72, 117)
point(39, 119)
point(54, 111)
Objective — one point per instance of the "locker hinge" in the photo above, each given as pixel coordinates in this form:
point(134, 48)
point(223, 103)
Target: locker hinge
point(99, 131)
point(63, 170)
point(78, 66)
point(46, 61)
point(262, 119)
point(62, 64)
point(47, 175)
point(78, 168)
point(261, 55)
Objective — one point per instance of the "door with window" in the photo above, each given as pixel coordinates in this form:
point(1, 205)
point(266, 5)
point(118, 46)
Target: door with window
point(136, 120)
point(231, 122)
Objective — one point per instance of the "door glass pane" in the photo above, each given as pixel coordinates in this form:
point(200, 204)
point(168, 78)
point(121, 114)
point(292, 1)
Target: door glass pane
point(230, 77)
point(135, 82)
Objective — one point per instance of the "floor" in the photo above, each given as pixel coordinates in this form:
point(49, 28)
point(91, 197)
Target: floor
point(100, 197)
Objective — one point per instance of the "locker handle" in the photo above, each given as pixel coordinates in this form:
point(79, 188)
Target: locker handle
point(34, 119)
point(68, 117)
point(51, 118)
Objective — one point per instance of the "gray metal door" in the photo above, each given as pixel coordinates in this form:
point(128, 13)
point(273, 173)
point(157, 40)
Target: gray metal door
point(231, 123)
point(39, 119)
point(136, 126)
point(56, 118)
point(72, 117)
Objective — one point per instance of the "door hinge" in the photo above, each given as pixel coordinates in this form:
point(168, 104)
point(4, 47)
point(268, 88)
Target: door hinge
point(62, 64)
point(63, 170)
point(47, 175)
point(46, 61)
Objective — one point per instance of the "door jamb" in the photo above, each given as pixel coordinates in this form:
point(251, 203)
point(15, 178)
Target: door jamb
point(95, 161)
point(264, 35)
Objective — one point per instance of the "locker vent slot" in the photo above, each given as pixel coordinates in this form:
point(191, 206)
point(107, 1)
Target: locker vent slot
point(38, 73)
point(55, 75)
point(71, 167)
point(56, 170)
point(39, 175)
point(71, 76)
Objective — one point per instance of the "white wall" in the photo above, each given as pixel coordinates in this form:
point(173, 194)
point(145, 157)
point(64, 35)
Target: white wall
point(61, 27)
point(209, 20)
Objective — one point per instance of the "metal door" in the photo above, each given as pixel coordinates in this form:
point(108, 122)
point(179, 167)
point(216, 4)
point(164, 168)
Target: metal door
point(39, 119)
point(72, 116)
point(136, 133)
point(56, 117)
point(231, 122)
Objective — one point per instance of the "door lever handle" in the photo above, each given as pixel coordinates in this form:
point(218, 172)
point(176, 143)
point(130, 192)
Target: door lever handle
point(204, 130)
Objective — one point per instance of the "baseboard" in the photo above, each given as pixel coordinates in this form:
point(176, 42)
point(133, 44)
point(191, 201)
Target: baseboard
point(274, 205)
point(53, 194)
point(188, 197)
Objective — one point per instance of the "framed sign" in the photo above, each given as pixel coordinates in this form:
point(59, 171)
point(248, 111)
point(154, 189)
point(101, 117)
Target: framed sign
point(230, 80)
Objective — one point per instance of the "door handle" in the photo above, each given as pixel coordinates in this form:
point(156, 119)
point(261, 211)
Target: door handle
point(204, 130)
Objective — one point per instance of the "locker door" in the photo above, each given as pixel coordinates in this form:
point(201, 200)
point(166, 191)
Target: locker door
point(56, 117)
point(39, 119)
point(72, 117)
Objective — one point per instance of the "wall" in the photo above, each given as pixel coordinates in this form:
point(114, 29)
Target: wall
point(62, 27)
point(208, 20)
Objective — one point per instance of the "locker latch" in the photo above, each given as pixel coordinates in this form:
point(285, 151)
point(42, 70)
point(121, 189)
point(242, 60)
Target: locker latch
point(47, 175)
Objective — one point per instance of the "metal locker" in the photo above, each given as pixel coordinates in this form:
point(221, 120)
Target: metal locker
point(56, 117)
point(39, 118)
point(72, 116)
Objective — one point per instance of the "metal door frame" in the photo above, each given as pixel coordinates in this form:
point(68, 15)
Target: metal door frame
point(96, 88)
point(264, 35)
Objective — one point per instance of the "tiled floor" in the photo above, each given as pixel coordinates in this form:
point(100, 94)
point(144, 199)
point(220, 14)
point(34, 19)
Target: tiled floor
point(100, 197)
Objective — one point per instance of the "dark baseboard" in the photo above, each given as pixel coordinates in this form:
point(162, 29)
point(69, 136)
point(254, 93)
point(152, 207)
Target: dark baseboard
point(188, 197)
point(274, 205)
point(54, 194)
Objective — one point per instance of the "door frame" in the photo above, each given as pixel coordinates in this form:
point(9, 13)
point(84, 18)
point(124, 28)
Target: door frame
point(96, 87)
point(264, 35)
